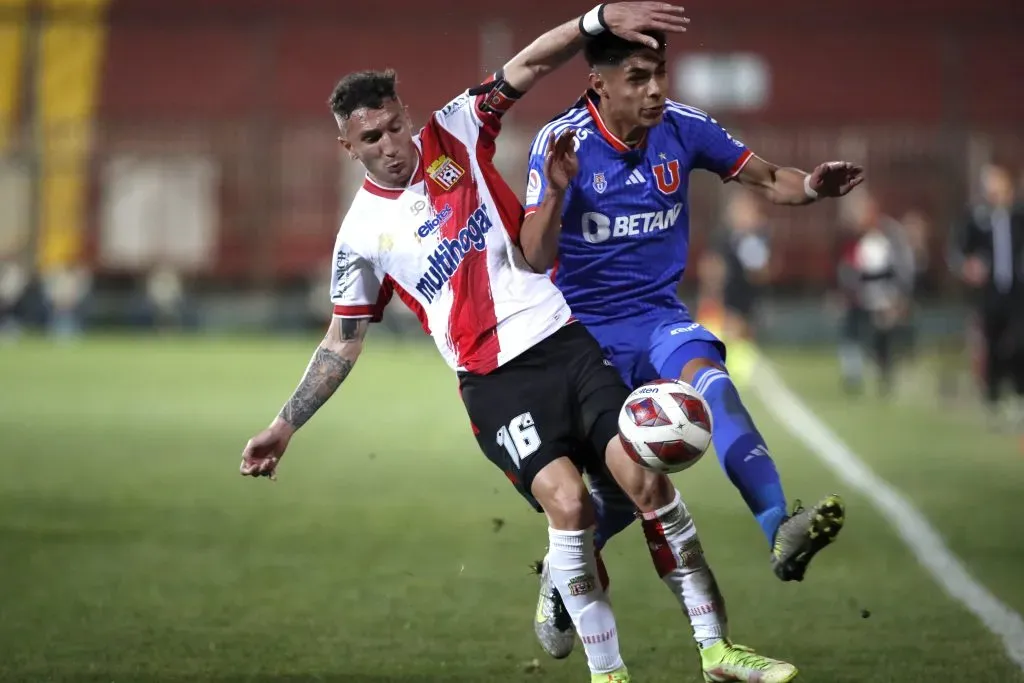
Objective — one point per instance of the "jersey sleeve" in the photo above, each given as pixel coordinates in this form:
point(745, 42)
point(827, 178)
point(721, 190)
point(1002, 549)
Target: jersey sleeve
point(717, 151)
point(482, 106)
point(536, 182)
point(357, 289)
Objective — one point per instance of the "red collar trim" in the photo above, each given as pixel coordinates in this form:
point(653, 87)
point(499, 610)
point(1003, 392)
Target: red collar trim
point(374, 188)
point(612, 139)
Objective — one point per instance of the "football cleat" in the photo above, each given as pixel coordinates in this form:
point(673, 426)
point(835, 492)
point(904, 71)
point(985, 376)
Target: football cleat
point(617, 676)
point(724, 662)
point(552, 624)
point(803, 534)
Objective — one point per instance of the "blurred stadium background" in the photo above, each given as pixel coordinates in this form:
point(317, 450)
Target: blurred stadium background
point(172, 167)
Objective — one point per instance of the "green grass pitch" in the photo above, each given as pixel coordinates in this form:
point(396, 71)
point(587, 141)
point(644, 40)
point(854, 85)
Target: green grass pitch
point(133, 552)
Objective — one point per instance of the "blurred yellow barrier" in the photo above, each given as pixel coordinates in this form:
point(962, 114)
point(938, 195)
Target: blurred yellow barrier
point(13, 27)
point(71, 60)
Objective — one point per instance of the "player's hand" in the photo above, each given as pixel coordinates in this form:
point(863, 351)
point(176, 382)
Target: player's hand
point(629, 20)
point(836, 178)
point(264, 451)
point(560, 162)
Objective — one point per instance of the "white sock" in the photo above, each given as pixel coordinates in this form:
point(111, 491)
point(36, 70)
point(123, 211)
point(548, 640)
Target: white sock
point(574, 573)
point(679, 560)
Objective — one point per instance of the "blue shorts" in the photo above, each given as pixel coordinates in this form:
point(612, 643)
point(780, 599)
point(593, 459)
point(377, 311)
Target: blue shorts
point(641, 347)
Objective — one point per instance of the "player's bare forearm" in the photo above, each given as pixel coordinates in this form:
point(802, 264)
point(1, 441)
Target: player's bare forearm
point(544, 55)
point(625, 19)
point(779, 185)
point(541, 230)
point(793, 187)
point(330, 366)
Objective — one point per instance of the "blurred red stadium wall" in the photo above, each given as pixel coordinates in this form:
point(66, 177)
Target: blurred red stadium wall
point(246, 82)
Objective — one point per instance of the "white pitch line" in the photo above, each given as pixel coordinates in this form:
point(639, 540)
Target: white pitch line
point(915, 531)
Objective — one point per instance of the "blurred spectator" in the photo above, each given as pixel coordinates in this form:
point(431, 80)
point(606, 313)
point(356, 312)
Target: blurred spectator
point(918, 231)
point(875, 275)
point(745, 250)
point(166, 301)
point(65, 291)
point(988, 255)
point(14, 281)
point(710, 311)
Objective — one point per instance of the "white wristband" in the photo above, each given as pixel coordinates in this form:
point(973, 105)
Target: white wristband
point(808, 190)
point(592, 23)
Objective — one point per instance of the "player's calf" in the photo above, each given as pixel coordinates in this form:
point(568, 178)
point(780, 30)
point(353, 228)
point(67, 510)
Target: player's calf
point(572, 565)
point(674, 545)
point(679, 560)
point(740, 447)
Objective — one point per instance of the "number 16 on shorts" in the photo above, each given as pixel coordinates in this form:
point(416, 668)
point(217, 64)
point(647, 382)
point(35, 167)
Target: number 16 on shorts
point(519, 438)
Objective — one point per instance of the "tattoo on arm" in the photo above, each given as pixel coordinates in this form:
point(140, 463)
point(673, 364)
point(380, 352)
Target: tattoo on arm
point(349, 329)
point(325, 373)
point(327, 370)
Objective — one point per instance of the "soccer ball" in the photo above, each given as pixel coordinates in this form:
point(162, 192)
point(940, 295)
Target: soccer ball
point(665, 426)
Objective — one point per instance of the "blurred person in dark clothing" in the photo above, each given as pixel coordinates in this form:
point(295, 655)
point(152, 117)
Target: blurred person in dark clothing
point(876, 276)
point(744, 247)
point(918, 231)
point(988, 255)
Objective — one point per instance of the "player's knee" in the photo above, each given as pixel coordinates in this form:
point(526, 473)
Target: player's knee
point(571, 508)
point(560, 490)
point(695, 365)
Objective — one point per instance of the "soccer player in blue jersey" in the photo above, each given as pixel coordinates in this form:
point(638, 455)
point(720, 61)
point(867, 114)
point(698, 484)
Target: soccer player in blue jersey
point(616, 239)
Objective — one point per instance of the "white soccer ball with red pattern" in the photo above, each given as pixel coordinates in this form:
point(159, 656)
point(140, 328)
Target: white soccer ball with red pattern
point(665, 426)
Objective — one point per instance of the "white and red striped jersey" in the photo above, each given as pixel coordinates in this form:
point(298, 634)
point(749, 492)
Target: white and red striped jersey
point(447, 245)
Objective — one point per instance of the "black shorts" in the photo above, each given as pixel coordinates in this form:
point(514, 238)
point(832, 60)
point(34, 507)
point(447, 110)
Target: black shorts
point(560, 398)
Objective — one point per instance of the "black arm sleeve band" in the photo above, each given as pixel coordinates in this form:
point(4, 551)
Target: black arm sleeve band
point(501, 92)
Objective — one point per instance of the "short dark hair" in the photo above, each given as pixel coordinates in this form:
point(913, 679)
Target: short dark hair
point(361, 89)
point(608, 49)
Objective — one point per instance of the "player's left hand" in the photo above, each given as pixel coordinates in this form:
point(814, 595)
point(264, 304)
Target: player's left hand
point(629, 20)
point(560, 162)
point(836, 178)
point(264, 451)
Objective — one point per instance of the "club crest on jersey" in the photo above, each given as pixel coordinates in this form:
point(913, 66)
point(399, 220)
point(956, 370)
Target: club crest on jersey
point(667, 176)
point(599, 182)
point(445, 172)
point(449, 254)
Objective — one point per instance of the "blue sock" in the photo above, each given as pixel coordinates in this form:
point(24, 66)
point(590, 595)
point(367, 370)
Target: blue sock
point(613, 508)
point(742, 451)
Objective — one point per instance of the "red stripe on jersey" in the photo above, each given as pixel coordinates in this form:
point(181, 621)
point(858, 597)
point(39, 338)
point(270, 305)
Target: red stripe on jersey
point(608, 135)
point(410, 301)
point(374, 311)
point(507, 203)
point(472, 321)
point(738, 166)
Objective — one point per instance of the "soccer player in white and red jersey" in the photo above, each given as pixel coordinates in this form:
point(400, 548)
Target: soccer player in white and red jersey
point(436, 224)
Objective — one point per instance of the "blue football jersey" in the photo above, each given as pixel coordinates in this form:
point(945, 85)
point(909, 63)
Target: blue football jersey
point(625, 223)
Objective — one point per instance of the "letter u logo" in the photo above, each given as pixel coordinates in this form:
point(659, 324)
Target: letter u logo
point(668, 180)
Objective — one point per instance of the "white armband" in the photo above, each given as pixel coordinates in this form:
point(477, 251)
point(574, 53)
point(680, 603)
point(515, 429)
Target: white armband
point(592, 23)
point(808, 190)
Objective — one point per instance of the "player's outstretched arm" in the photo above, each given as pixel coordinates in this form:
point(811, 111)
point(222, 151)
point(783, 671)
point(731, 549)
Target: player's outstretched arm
point(794, 187)
point(557, 46)
point(331, 364)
